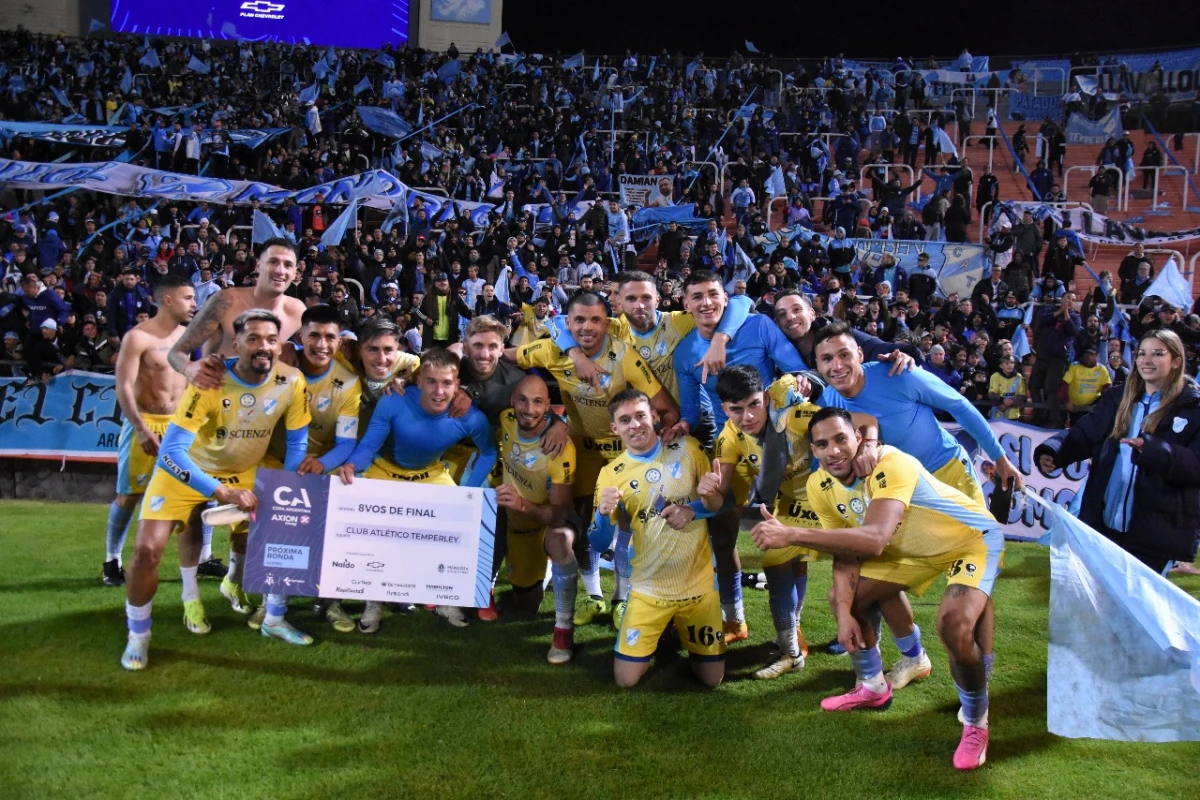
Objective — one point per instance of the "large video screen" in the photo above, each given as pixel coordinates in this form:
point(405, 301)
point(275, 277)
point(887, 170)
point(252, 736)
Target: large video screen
point(347, 23)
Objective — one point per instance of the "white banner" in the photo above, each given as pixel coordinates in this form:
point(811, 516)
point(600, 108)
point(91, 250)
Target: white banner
point(654, 191)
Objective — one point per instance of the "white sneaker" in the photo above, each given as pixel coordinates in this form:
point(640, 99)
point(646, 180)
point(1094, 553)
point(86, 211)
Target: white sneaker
point(907, 670)
point(780, 666)
point(453, 615)
point(372, 614)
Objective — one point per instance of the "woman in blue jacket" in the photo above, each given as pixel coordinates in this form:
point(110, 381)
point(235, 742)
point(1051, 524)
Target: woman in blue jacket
point(1143, 488)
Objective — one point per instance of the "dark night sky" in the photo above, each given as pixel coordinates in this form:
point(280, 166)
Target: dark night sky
point(994, 27)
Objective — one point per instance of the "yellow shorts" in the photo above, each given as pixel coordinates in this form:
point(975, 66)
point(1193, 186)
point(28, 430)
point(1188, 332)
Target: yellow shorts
point(526, 556)
point(698, 620)
point(135, 465)
point(457, 459)
point(591, 456)
point(961, 475)
point(976, 565)
point(168, 500)
point(795, 514)
point(383, 469)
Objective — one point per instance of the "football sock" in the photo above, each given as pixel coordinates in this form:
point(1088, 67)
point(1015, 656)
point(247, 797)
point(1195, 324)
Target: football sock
point(565, 578)
point(868, 667)
point(191, 589)
point(590, 571)
point(988, 660)
point(974, 704)
point(276, 608)
point(118, 526)
point(909, 646)
point(801, 584)
point(207, 533)
point(781, 596)
point(237, 569)
point(621, 564)
point(138, 619)
point(730, 588)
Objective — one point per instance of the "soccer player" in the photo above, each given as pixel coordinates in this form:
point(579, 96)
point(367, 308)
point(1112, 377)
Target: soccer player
point(667, 492)
point(211, 329)
point(534, 324)
point(421, 430)
point(904, 405)
point(795, 316)
point(758, 344)
point(211, 450)
point(334, 398)
point(535, 493)
point(148, 392)
point(587, 414)
point(898, 530)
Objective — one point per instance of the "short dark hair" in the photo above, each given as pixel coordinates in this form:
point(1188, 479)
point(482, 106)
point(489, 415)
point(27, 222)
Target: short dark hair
point(378, 327)
point(701, 276)
point(168, 282)
point(320, 315)
point(279, 241)
point(829, 412)
point(831, 329)
point(634, 275)
point(255, 315)
point(583, 299)
point(629, 395)
point(738, 382)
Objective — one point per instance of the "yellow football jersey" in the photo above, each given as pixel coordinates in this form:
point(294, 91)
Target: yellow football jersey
point(531, 328)
point(233, 425)
point(657, 346)
point(937, 519)
point(531, 471)
point(1006, 387)
point(667, 564)
point(1084, 384)
point(587, 409)
point(334, 399)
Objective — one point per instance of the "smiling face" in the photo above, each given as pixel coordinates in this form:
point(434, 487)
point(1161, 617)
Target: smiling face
point(840, 362)
point(706, 302)
point(1155, 363)
point(531, 402)
point(438, 386)
point(834, 444)
point(258, 347)
point(483, 352)
point(276, 269)
point(634, 422)
point(378, 356)
point(320, 341)
point(588, 325)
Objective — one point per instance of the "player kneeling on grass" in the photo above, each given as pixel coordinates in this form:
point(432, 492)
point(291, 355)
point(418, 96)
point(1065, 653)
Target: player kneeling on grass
point(665, 492)
point(895, 530)
point(211, 450)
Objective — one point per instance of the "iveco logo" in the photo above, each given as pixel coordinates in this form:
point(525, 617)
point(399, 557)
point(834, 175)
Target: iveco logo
point(262, 6)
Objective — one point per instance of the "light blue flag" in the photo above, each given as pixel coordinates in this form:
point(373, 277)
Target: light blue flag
point(430, 151)
point(331, 57)
point(62, 98)
point(574, 62)
point(85, 69)
point(944, 143)
point(150, 59)
point(16, 84)
point(503, 40)
point(386, 60)
point(333, 235)
point(127, 81)
point(1173, 287)
point(310, 94)
point(596, 71)
point(1020, 343)
point(229, 30)
point(362, 86)
point(320, 70)
point(449, 71)
point(751, 48)
point(196, 65)
point(420, 114)
point(95, 25)
point(399, 213)
point(264, 228)
point(1124, 656)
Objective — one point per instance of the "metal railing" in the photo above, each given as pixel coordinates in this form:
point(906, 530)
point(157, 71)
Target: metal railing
point(991, 148)
point(862, 175)
point(1064, 205)
point(1158, 171)
point(1122, 183)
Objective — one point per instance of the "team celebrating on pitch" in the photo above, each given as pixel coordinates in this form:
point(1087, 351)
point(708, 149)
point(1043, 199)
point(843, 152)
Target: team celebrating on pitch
point(675, 424)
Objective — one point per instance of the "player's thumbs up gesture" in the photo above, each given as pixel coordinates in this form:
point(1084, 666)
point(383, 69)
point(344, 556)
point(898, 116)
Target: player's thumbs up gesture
point(710, 482)
point(610, 498)
point(770, 534)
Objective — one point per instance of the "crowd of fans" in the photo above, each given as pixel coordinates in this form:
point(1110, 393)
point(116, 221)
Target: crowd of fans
point(78, 270)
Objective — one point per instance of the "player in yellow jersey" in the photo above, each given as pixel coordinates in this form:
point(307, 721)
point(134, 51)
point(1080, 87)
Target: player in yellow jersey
point(148, 391)
point(666, 492)
point(212, 449)
point(334, 397)
point(587, 410)
point(899, 529)
point(535, 493)
point(1007, 389)
point(534, 324)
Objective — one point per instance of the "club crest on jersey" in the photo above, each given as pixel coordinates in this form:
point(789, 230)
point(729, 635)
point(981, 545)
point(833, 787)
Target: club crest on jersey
point(530, 460)
point(841, 507)
point(323, 403)
point(632, 635)
point(660, 349)
point(269, 405)
point(247, 400)
point(605, 380)
point(156, 503)
point(653, 475)
point(644, 351)
point(675, 469)
point(856, 505)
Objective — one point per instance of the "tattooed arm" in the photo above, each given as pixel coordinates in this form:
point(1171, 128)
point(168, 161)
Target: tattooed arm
point(209, 371)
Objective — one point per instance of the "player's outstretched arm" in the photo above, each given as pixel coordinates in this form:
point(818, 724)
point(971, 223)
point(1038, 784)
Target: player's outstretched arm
point(868, 540)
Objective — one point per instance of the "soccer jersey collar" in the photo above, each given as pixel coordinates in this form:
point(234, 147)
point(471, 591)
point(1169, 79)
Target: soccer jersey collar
point(658, 318)
point(650, 456)
point(229, 362)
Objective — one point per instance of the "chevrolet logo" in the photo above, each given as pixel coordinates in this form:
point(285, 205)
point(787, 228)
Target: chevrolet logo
point(262, 6)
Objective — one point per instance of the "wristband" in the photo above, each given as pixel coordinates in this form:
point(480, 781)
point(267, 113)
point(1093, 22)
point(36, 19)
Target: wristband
point(701, 512)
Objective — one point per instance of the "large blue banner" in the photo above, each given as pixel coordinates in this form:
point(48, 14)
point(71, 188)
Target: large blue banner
point(1081, 130)
point(384, 121)
point(114, 135)
point(74, 416)
point(1026, 106)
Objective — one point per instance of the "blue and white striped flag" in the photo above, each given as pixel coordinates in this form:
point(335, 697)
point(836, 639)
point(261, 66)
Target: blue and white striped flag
point(1109, 611)
point(62, 98)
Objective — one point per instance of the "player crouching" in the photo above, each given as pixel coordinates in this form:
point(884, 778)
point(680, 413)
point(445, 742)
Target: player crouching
point(665, 492)
point(211, 450)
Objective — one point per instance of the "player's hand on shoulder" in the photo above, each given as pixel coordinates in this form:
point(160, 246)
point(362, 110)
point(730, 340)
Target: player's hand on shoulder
point(460, 405)
point(207, 373)
point(555, 438)
point(901, 362)
point(288, 355)
point(586, 370)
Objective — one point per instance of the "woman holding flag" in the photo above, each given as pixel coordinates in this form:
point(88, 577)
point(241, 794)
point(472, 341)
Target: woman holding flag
point(1143, 489)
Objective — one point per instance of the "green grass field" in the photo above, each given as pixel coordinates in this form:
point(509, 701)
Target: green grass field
point(426, 711)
